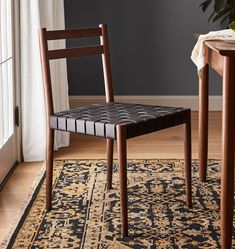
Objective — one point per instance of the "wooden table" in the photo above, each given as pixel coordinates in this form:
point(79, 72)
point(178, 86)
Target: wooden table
point(221, 57)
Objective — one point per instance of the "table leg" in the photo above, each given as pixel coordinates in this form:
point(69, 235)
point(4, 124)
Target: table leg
point(228, 133)
point(203, 123)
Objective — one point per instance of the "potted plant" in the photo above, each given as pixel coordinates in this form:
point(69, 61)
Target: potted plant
point(223, 11)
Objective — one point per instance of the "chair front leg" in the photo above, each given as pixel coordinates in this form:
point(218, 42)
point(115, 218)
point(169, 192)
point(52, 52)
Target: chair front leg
point(122, 160)
point(188, 161)
point(49, 167)
point(109, 162)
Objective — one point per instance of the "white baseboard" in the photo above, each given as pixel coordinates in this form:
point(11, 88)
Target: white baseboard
point(215, 102)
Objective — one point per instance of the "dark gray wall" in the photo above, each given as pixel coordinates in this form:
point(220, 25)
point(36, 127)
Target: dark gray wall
point(150, 42)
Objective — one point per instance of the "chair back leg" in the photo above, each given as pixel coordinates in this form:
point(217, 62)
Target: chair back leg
point(122, 161)
point(188, 161)
point(109, 163)
point(49, 167)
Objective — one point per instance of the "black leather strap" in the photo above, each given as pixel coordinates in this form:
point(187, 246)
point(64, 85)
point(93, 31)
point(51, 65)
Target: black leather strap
point(101, 119)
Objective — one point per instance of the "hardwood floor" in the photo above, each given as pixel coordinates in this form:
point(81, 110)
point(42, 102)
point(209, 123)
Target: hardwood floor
point(162, 145)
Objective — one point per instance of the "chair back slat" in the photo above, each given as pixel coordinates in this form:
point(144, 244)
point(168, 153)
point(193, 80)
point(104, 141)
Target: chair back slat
point(73, 33)
point(74, 52)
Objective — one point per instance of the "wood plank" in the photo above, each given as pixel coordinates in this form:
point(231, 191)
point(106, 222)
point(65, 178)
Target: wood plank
point(73, 33)
point(108, 82)
point(75, 52)
point(203, 122)
point(162, 144)
point(221, 47)
point(216, 61)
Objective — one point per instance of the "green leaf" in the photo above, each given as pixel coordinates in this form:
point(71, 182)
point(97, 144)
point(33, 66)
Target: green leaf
point(219, 5)
point(211, 16)
point(221, 14)
point(232, 26)
point(204, 5)
point(225, 18)
point(223, 10)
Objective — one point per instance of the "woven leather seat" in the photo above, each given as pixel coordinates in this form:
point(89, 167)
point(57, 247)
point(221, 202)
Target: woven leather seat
point(101, 119)
point(112, 121)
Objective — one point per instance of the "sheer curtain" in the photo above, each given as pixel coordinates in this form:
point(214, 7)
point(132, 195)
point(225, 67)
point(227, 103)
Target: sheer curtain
point(35, 14)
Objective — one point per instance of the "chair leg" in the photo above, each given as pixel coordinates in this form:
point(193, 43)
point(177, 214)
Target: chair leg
point(109, 162)
point(188, 162)
point(122, 160)
point(49, 167)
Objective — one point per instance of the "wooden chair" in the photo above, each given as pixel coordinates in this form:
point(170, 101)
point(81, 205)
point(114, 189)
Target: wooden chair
point(111, 120)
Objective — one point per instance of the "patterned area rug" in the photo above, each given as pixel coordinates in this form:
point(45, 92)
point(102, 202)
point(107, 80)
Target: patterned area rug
point(86, 215)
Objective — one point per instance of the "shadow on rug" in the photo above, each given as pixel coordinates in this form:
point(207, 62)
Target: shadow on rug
point(85, 215)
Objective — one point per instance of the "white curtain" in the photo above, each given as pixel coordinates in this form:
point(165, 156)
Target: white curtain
point(35, 14)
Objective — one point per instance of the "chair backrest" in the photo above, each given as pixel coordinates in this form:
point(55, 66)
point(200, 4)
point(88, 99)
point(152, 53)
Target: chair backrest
point(47, 55)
